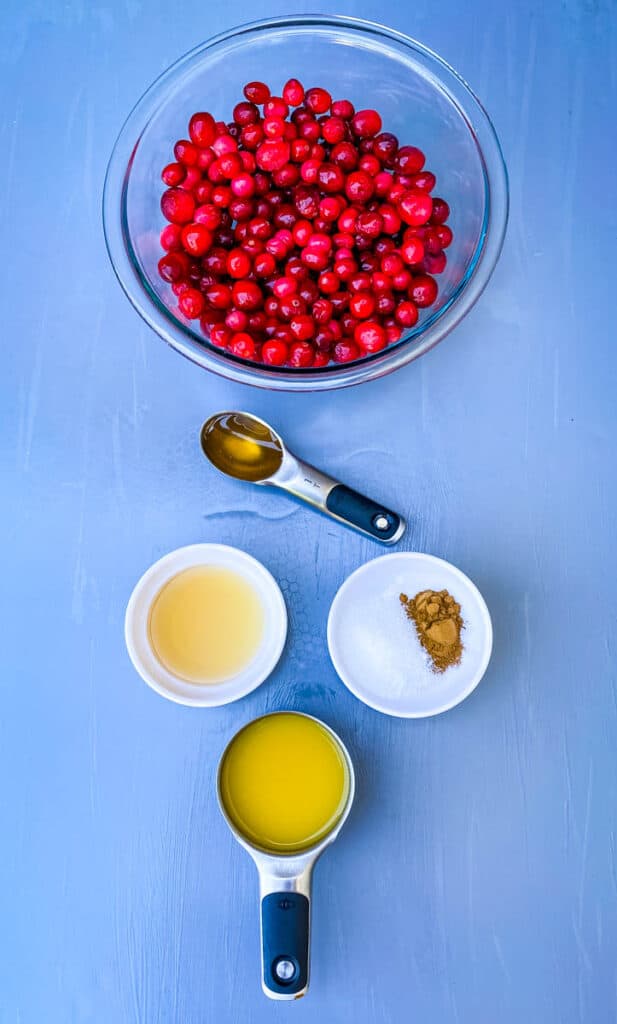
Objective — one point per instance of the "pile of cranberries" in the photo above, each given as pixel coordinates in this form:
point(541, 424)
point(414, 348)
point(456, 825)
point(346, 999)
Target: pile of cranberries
point(299, 236)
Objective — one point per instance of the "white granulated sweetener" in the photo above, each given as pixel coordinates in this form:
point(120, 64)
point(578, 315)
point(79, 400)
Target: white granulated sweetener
point(380, 645)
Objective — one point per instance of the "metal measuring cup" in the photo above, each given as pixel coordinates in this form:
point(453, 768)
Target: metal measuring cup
point(285, 891)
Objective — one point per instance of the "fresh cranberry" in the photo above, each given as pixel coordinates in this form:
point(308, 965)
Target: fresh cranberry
point(251, 136)
point(174, 266)
point(328, 282)
point(346, 351)
point(171, 237)
point(300, 150)
point(285, 286)
point(247, 295)
point(321, 359)
point(306, 201)
point(370, 224)
point(424, 180)
point(264, 265)
point(385, 303)
point(434, 264)
point(385, 147)
point(345, 156)
point(333, 130)
point(242, 345)
point(370, 336)
point(359, 187)
point(318, 100)
point(186, 152)
point(406, 314)
point(343, 109)
point(177, 206)
point(173, 174)
point(331, 178)
point(292, 306)
point(197, 239)
point(366, 123)
point(310, 130)
point(431, 241)
point(412, 251)
point(308, 291)
point(202, 130)
point(370, 164)
point(219, 334)
point(222, 195)
point(191, 303)
point(272, 154)
point(409, 160)
point(256, 92)
point(360, 282)
point(287, 176)
point(444, 235)
point(219, 296)
point(415, 206)
point(393, 331)
point(238, 264)
point(302, 327)
point(293, 92)
point(237, 320)
point(274, 352)
point(243, 185)
point(224, 144)
point(362, 305)
point(322, 311)
point(440, 212)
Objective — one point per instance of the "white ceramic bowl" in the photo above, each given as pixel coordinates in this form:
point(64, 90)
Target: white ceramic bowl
point(407, 572)
point(249, 678)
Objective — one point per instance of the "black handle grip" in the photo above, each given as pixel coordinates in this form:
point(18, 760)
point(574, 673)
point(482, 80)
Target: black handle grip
point(359, 511)
point(285, 942)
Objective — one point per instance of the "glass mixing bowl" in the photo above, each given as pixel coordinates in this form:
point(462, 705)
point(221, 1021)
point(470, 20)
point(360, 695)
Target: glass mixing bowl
point(420, 98)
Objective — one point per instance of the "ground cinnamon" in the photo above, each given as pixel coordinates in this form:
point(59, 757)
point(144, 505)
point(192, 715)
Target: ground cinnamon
point(437, 617)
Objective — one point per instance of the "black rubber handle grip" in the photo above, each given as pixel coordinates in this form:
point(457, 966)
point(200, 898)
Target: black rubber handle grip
point(359, 511)
point(285, 942)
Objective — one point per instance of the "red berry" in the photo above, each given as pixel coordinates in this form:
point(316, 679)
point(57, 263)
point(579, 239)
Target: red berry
point(284, 286)
point(219, 334)
point(202, 130)
point(173, 174)
point(424, 180)
point(321, 359)
point(345, 156)
point(301, 354)
point(441, 211)
point(186, 152)
point(272, 154)
point(409, 160)
point(219, 296)
point(251, 135)
point(331, 178)
point(191, 303)
point(434, 264)
point(209, 215)
point(370, 336)
point(303, 327)
point(444, 235)
point(174, 267)
point(237, 320)
point(245, 113)
point(385, 147)
point(412, 251)
point(177, 206)
point(171, 237)
point(247, 295)
point(197, 239)
point(274, 352)
point(243, 185)
point(343, 109)
point(415, 206)
point(370, 224)
point(406, 314)
point(293, 92)
point(238, 264)
point(359, 187)
point(362, 305)
point(242, 345)
point(224, 144)
point(318, 100)
point(256, 92)
point(264, 264)
point(346, 351)
point(366, 123)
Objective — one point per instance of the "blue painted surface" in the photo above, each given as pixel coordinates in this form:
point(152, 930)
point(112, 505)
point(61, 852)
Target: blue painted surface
point(476, 879)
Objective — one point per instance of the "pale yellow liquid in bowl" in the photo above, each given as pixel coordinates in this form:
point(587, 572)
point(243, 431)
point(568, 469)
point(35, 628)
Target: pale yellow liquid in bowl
point(284, 782)
point(206, 624)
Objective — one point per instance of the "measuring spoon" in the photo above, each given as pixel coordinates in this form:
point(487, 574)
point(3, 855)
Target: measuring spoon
point(247, 448)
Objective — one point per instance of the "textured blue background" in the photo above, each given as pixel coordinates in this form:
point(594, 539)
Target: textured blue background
point(476, 879)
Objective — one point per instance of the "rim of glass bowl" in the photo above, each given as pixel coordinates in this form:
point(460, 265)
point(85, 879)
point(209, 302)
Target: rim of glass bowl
point(431, 331)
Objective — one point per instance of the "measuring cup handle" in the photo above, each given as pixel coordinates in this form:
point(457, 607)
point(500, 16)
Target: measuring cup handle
point(285, 922)
point(366, 515)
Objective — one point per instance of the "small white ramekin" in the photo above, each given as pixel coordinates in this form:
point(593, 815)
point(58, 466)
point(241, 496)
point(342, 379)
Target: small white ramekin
point(137, 635)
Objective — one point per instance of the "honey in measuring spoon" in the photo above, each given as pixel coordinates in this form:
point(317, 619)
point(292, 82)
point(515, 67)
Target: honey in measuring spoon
point(241, 446)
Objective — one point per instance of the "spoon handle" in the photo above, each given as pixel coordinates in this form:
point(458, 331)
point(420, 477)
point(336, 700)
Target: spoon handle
point(341, 502)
